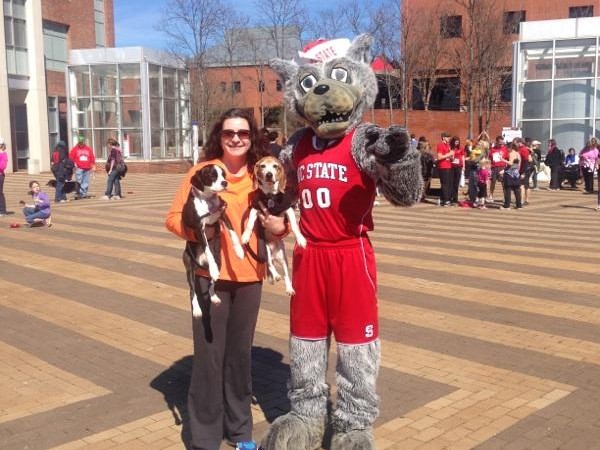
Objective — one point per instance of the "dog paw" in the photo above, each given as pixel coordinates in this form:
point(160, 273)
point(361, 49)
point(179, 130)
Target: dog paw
point(246, 237)
point(214, 274)
point(289, 291)
point(239, 251)
point(196, 311)
point(215, 300)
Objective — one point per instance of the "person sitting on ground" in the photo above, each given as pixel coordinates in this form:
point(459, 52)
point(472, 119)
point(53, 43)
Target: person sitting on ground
point(38, 211)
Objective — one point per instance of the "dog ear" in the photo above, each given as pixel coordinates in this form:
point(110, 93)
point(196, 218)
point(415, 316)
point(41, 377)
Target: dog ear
point(282, 178)
point(255, 183)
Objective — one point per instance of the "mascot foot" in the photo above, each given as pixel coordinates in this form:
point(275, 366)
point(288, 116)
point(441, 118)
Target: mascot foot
point(292, 432)
point(353, 440)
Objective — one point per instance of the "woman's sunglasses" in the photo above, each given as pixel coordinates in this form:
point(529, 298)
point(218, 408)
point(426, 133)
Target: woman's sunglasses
point(241, 134)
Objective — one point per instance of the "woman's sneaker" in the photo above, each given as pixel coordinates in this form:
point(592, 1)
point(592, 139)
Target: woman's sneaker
point(105, 197)
point(115, 197)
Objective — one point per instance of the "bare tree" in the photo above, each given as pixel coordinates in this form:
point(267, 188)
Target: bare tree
point(280, 16)
point(482, 55)
point(190, 26)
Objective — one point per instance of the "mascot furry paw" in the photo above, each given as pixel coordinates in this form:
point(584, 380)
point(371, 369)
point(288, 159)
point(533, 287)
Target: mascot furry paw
point(334, 166)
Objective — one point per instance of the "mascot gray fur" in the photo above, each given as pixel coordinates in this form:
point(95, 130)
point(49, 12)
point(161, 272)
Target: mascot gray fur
point(330, 97)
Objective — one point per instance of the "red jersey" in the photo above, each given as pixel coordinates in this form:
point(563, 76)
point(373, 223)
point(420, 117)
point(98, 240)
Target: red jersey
point(498, 155)
point(83, 157)
point(442, 149)
point(458, 160)
point(336, 197)
point(524, 152)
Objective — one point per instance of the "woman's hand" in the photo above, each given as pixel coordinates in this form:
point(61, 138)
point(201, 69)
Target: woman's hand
point(273, 224)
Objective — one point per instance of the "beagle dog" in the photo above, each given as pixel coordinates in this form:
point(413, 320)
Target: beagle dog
point(269, 185)
point(204, 207)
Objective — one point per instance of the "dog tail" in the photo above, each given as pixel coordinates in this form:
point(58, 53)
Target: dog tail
point(51, 183)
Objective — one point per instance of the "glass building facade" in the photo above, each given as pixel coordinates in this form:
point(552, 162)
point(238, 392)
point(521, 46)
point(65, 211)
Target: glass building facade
point(136, 95)
point(557, 81)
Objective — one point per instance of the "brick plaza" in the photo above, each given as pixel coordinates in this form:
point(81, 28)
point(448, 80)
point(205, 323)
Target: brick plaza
point(489, 325)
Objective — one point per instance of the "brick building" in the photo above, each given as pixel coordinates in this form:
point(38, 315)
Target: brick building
point(35, 38)
point(449, 111)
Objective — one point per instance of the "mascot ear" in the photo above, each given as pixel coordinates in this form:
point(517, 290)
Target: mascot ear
point(286, 69)
point(360, 49)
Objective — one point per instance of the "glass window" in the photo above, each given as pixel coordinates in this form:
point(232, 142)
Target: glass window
point(156, 144)
point(79, 77)
point(18, 9)
point(537, 129)
point(171, 144)
point(7, 8)
point(131, 111)
point(82, 113)
point(21, 63)
point(154, 80)
point(536, 60)
point(581, 11)
point(99, 32)
point(169, 83)
point(8, 31)
point(104, 79)
point(129, 75)
point(135, 143)
point(575, 58)
point(184, 84)
point(20, 33)
point(100, 138)
point(571, 133)
point(536, 100)
point(170, 110)
point(99, 5)
point(512, 19)
point(451, 26)
point(573, 98)
point(55, 45)
point(105, 113)
point(155, 111)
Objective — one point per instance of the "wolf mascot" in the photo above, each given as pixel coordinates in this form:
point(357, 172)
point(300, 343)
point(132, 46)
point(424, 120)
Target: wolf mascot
point(334, 166)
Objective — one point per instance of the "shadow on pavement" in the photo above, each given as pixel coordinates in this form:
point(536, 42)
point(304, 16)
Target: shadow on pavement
point(269, 381)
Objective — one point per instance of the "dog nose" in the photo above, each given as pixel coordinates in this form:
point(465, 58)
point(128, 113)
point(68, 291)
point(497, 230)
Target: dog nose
point(321, 89)
point(224, 184)
point(269, 176)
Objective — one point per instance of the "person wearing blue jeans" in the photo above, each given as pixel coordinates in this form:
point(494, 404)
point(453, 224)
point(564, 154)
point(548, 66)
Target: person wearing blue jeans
point(114, 161)
point(85, 162)
point(38, 211)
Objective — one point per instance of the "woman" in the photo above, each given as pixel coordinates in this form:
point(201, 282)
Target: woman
point(3, 164)
point(458, 164)
point(114, 165)
point(221, 385)
point(62, 168)
point(38, 211)
point(512, 176)
point(554, 160)
point(444, 165)
point(587, 161)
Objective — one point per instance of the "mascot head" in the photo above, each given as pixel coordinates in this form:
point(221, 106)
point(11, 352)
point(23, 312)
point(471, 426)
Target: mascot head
point(331, 92)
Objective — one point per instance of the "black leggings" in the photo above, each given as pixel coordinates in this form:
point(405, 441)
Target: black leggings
point(221, 384)
point(446, 182)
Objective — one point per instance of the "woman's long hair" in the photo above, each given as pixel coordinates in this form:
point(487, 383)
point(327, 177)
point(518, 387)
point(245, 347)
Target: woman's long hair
point(257, 149)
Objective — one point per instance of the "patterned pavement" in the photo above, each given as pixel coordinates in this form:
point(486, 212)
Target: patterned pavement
point(489, 323)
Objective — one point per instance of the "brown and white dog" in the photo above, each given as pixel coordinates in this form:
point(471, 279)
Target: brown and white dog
point(204, 207)
point(269, 183)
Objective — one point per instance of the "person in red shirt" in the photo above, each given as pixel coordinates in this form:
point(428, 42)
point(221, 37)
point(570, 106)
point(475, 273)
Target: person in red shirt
point(458, 163)
point(499, 158)
point(525, 169)
point(85, 163)
point(444, 165)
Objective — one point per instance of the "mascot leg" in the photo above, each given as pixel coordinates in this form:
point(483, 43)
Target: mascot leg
point(357, 402)
point(303, 427)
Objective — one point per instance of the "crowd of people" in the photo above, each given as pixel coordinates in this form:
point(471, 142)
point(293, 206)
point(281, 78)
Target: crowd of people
point(483, 165)
point(72, 169)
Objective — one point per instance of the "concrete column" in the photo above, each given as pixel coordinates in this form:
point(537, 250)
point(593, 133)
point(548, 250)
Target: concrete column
point(36, 99)
point(4, 97)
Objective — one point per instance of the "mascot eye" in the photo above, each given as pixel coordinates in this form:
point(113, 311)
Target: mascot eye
point(339, 74)
point(308, 82)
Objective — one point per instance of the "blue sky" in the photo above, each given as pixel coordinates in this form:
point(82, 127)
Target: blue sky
point(135, 20)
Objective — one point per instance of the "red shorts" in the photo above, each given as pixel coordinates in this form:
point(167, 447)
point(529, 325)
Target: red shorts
point(336, 292)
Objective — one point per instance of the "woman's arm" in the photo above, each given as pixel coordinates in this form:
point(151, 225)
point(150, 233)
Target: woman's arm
point(173, 221)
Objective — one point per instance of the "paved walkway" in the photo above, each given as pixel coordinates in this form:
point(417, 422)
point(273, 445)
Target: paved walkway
point(489, 321)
